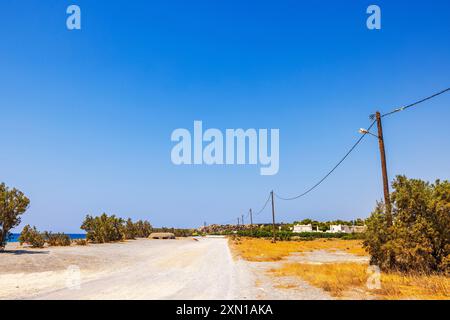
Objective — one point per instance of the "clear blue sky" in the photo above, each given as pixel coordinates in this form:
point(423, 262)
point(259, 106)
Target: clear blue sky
point(86, 116)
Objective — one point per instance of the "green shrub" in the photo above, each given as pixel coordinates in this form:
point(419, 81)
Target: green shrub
point(129, 230)
point(31, 236)
point(106, 228)
point(419, 239)
point(143, 229)
point(103, 228)
point(80, 242)
point(57, 239)
point(13, 203)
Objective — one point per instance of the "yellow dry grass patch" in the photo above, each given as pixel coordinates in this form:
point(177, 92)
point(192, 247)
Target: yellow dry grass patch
point(252, 249)
point(340, 278)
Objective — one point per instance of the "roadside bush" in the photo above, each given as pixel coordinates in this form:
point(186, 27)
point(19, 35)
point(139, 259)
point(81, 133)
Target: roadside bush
point(103, 228)
point(80, 242)
point(57, 239)
point(31, 236)
point(106, 228)
point(419, 239)
point(129, 230)
point(143, 229)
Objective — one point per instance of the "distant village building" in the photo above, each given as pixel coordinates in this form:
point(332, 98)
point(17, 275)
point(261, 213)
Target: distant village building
point(339, 228)
point(342, 228)
point(302, 228)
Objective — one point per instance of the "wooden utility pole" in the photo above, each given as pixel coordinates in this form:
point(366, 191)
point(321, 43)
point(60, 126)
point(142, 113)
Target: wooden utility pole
point(273, 217)
point(251, 221)
point(387, 201)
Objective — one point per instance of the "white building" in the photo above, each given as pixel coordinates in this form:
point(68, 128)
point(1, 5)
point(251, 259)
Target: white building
point(302, 228)
point(341, 228)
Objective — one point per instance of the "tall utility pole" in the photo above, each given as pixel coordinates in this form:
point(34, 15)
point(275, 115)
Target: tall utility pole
point(273, 217)
point(387, 201)
point(251, 221)
point(238, 222)
point(242, 220)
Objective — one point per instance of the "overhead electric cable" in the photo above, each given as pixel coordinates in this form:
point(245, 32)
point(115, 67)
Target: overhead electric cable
point(329, 172)
point(413, 104)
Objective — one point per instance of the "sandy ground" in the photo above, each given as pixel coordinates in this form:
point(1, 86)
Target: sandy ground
point(145, 269)
point(286, 288)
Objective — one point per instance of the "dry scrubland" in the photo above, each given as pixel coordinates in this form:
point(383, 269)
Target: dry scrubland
point(341, 280)
point(253, 249)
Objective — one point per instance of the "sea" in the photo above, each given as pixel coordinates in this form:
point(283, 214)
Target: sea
point(14, 237)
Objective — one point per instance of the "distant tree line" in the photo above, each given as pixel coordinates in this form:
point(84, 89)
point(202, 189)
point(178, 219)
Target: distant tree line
point(284, 227)
point(177, 232)
point(287, 235)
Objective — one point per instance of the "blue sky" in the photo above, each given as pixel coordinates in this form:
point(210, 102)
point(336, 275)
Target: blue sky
point(87, 115)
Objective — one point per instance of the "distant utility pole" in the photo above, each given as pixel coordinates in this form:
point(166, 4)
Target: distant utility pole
point(251, 221)
point(273, 217)
point(238, 222)
point(242, 219)
point(387, 201)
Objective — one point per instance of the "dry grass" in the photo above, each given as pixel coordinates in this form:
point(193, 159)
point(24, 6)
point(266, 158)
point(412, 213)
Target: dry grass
point(339, 279)
point(252, 249)
point(397, 286)
point(334, 278)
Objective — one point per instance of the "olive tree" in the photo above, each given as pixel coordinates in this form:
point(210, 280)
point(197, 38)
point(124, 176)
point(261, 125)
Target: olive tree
point(419, 238)
point(13, 203)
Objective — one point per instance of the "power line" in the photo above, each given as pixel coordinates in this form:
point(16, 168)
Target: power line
point(412, 104)
point(372, 117)
point(265, 205)
point(329, 172)
point(257, 213)
point(359, 140)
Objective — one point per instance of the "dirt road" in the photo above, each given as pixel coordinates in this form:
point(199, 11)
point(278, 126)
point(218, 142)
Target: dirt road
point(139, 269)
